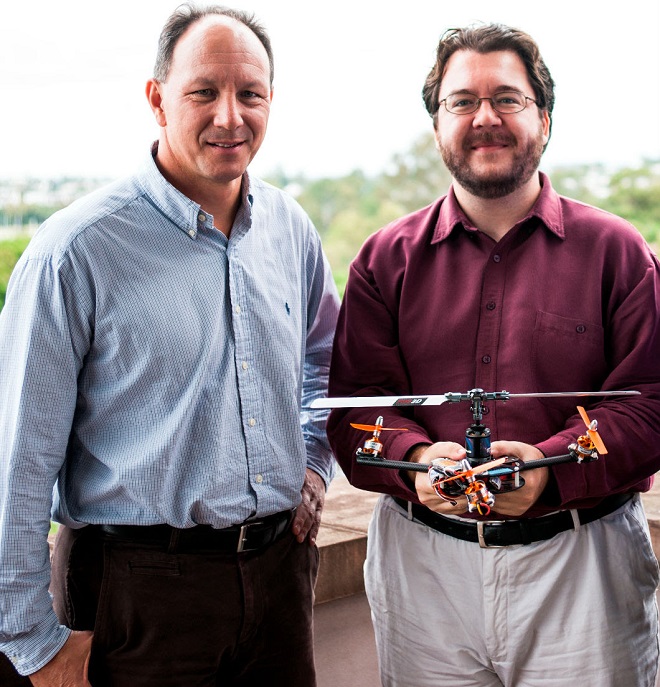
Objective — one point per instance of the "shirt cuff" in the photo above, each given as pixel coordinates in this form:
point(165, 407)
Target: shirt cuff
point(31, 651)
point(323, 463)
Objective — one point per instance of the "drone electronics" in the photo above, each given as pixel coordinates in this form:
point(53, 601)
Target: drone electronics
point(451, 479)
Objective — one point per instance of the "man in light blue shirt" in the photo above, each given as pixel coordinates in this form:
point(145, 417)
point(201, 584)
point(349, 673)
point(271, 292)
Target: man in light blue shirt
point(158, 342)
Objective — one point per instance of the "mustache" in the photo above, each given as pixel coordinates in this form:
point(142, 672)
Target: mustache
point(490, 138)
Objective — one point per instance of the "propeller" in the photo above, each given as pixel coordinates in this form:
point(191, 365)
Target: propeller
point(379, 428)
point(592, 431)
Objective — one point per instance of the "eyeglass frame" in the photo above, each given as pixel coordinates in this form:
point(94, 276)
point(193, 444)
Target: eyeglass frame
point(492, 104)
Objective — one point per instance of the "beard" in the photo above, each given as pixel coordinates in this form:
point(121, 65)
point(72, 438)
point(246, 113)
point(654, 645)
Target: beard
point(497, 183)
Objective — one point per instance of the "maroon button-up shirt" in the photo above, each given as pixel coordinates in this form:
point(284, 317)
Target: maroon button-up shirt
point(568, 300)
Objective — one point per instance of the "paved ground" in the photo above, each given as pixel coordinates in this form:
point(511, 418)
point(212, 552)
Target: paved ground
point(344, 648)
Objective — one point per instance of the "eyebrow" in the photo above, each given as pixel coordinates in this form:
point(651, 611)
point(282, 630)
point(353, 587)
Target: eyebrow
point(498, 89)
point(206, 82)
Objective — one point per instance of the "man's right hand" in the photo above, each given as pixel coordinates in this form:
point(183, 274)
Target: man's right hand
point(68, 668)
point(427, 495)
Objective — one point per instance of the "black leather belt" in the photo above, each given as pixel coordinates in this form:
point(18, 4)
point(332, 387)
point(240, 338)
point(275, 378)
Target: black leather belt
point(252, 535)
point(500, 533)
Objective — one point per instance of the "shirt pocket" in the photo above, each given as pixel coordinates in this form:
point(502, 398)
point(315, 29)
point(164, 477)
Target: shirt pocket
point(568, 354)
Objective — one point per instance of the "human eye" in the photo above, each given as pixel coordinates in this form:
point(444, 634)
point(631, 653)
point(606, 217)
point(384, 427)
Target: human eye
point(202, 93)
point(250, 96)
point(461, 103)
point(509, 99)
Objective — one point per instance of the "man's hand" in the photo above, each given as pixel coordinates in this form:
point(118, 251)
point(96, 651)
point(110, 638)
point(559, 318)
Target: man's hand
point(448, 450)
point(307, 520)
point(68, 668)
point(517, 502)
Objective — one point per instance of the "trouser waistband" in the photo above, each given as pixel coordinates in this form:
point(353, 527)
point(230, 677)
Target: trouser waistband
point(512, 532)
point(252, 535)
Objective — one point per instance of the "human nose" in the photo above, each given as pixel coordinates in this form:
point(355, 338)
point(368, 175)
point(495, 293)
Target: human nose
point(486, 114)
point(227, 112)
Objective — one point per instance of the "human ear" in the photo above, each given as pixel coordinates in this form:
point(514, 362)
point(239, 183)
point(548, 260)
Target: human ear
point(155, 98)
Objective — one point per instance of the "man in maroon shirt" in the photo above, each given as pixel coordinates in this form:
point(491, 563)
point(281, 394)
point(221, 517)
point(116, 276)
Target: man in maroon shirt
point(504, 284)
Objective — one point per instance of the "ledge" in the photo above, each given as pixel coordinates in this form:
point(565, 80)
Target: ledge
point(342, 540)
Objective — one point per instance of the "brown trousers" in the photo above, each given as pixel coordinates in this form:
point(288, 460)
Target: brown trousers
point(171, 619)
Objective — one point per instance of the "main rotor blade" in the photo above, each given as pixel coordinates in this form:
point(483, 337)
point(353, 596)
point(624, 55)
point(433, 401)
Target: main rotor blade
point(378, 401)
point(439, 399)
point(557, 394)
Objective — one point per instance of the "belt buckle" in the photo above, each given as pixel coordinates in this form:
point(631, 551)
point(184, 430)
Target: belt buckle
point(482, 538)
point(242, 535)
point(242, 538)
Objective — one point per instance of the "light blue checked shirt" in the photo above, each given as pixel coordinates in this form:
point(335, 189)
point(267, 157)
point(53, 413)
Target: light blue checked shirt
point(153, 371)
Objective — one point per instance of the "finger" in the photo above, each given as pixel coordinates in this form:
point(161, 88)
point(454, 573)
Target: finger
point(515, 449)
point(307, 519)
point(316, 525)
point(502, 448)
point(307, 524)
point(444, 449)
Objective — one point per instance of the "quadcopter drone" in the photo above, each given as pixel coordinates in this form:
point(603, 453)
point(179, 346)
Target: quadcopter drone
point(476, 477)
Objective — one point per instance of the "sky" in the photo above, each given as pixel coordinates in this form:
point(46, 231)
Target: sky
point(348, 78)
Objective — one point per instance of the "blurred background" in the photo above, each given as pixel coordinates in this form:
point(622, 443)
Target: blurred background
point(348, 134)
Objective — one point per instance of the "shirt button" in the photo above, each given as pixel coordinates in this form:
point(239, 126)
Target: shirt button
point(496, 258)
point(201, 217)
point(192, 233)
point(259, 479)
point(490, 305)
point(252, 422)
point(237, 309)
point(580, 329)
point(486, 359)
point(244, 365)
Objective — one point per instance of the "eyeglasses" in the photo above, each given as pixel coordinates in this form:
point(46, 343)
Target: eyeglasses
point(504, 102)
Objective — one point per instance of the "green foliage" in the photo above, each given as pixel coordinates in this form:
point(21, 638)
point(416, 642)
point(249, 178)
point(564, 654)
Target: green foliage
point(10, 252)
point(631, 193)
point(417, 177)
point(635, 195)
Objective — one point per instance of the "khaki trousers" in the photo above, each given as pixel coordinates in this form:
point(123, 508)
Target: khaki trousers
point(578, 609)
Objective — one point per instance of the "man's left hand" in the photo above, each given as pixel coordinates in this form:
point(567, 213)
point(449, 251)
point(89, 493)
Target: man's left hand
point(307, 520)
point(517, 502)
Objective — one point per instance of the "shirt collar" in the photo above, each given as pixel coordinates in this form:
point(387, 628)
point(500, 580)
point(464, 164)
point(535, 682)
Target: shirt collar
point(547, 209)
point(185, 213)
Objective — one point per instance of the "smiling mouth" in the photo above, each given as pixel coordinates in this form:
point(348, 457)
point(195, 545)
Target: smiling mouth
point(226, 145)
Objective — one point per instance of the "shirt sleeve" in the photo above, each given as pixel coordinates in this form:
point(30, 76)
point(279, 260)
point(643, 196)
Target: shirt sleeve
point(323, 307)
point(41, 348)
point(629, 426)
